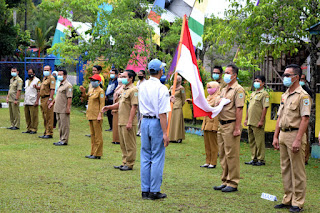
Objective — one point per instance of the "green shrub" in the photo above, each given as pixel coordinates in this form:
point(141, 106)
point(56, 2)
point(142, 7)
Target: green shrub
point(76, 101)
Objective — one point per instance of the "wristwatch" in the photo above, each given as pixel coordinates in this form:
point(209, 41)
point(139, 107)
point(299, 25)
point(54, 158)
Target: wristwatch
point(50, 99)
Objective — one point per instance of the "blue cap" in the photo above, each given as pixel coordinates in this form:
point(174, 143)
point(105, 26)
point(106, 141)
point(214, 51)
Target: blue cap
point(155, 64)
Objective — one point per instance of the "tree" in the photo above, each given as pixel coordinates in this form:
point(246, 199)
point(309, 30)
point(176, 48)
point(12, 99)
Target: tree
point(40, 39)
point(271, 27)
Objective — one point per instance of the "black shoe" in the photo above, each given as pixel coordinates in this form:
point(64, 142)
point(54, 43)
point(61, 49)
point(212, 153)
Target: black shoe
point(14, 128)
point(42, 136)
point(10, 127)
point(28, 131)
point(156, 195)
point(108, 130)
point(88, 136)
point(250, 162)
point(94, 157)
point(115, 142)
point(60, 144)
point(295, 209)
point(179, 141)
point(211, 167)
point(32, 132)
point(259, 163)
point(125, 168)
point(145, 195)
point(173, 141)
point(229, 189)
point(118, 167)
point(219, 187)
point(306, 163)
point(88, 156)
point(282, 206)
point(47, 137)
point(204, 166)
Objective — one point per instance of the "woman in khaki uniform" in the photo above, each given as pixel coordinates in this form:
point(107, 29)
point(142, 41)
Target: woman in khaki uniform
point(177, 131)
point(96, 101)
point(210, 128)
point(116, 98)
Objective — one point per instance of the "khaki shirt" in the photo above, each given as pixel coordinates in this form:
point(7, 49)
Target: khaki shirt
point(96, 101)
point(258, 101)
point(14, 87)
point(294, 106)
point(237, 96)
point(48, 83)
point(128, 98)
point(222, 84)
point(209, 124)
point(64, 92)
point(180, 98)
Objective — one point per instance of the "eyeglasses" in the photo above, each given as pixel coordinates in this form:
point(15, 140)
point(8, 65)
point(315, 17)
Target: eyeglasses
point(288, 75)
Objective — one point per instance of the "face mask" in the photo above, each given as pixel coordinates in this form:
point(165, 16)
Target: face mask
point(120, 80)
point(13, 74)
point(215, 76)
point(124, 81)
point(31, 76)
point(140, 77)
point(46, 73)
point(287, 81)
point(163, 79)
point(302, 83)
point(256, 85)
point(95, 84)
point(227, 78)
point(112, 76)
point(60, 78)
point(211, 91)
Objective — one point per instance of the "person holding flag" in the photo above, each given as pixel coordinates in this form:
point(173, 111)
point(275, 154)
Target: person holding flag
point(229, 132)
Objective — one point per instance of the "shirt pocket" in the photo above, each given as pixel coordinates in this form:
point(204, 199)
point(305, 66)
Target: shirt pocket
point(292, 109)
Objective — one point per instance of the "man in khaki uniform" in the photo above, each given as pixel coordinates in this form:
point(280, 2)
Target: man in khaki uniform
point(62, 105)
point(230, 131)
point(290, 138)
point(47, 88)
point(127, 120)
point(13, 96)
point(31, 102)
point(217, 76)
point(96, 100)
point(255, 120)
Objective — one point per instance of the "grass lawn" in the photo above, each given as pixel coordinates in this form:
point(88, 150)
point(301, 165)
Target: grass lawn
point(39, 177)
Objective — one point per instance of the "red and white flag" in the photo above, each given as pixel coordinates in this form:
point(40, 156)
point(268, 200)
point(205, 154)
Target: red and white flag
point(187, 67)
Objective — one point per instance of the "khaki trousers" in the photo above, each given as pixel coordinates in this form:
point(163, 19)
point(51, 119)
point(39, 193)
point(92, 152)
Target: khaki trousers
point(115, 131)
point(32, 119)
point(47, 115)
point(293, 169)
point(211, 147)
point(63, 120)
point(96, 137)
point(128, 145)
point(229, 148)
point(257, 143)
point(14, 111)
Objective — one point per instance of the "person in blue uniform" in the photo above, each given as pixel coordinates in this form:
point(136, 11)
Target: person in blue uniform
point(154, 104)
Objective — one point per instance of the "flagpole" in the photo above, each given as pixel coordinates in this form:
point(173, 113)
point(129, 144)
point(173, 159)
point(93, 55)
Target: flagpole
point(176, 74)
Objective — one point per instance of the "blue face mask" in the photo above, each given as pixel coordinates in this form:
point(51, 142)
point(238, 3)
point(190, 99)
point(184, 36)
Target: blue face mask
point(112, 76)
point(46, 73)
point(13, 74)
point(302, 83)
point(95, 84)
point(60, 78)
point(227, 78)
point(287, 81)
point(215, 76)
point(256, 85)
point(124, 81)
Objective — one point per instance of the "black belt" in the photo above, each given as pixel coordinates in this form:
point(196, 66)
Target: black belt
point(151, 117)
point(45, 96)
point(226, 122)
point(288, 129)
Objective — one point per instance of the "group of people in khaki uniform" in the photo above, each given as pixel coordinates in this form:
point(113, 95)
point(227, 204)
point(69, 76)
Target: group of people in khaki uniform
point(221, 134)
point(34, 90)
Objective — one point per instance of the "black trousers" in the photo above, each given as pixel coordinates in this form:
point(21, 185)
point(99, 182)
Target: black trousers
point(109, 115)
